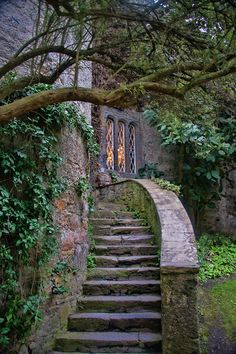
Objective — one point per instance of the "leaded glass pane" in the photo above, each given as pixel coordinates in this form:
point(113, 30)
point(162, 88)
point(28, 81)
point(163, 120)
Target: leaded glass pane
point(110, 144)
point(121, 147)
point(132, 151)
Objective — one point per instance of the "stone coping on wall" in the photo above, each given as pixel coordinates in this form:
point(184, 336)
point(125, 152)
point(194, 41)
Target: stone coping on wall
point(178, 245)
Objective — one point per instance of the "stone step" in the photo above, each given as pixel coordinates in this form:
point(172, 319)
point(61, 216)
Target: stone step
point(118, 250)
point(112, 261)
point(142, 352)
point(104, 205)
point(124, 239)
point(121, 287)
point(97, 342)
point(110, 214)
point(116, 222)
point(147, 321)
point(124, 273)
point(139, 303)
point(119, 230)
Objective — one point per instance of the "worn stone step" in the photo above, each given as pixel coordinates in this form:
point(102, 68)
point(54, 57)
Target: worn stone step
point(116, 222)
point(105, 205)
point(96, 342)
point(124, 239)
point(121, 287)
point(142, 352)
point(124, 273)
point(131, 303)
point(112, 261)
point(118, 250)
point(147, 321)
point(117, 230)
point(110, 214)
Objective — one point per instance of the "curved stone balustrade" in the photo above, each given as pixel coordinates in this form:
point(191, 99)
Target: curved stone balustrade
point(178, 265)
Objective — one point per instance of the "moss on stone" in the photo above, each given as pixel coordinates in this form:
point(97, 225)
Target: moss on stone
point(225, 297)
point(217, 303)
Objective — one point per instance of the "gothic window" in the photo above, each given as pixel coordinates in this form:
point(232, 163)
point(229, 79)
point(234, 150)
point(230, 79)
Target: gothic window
point(132, 151)
point(110, 144)
point(121, 147)
point(120, 139)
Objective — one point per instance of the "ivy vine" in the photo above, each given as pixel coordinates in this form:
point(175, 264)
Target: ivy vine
point(29, 183)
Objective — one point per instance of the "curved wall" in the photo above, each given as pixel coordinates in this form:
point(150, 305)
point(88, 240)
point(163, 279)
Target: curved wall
point(178, 266)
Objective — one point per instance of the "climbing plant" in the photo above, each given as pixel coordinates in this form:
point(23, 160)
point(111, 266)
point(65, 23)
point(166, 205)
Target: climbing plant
point(29, 183)
point(202, 144)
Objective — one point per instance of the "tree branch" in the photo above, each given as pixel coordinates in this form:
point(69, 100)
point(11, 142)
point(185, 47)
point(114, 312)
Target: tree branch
point(14, 62)
point(20, 84)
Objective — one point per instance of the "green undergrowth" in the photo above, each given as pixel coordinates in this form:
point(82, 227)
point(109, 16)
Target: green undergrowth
point(91, 262)
point(217, 256)
point(164, 184)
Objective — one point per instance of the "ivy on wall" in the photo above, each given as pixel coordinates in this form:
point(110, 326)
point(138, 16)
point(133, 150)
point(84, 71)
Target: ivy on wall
point(29, 183)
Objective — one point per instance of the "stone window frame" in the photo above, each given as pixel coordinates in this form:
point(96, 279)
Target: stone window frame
point(126, 121)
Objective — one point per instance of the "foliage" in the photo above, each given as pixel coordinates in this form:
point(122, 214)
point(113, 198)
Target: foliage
point(217, 256)
point(150, 170)
point(164, 184)
point(82, 186)
point(140, 215)
point(84, 190)
point(201, 147)
point(91, 262)
point(113, 175)
point(59, 276)
point(156, 49)
point(87, 133)
point(29, 183)
point(90, 233)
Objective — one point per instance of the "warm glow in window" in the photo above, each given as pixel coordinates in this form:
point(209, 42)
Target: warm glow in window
point(132, 151)
point(121, 147)
point(110, 144)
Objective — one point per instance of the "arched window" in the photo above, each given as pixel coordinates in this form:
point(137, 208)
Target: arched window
point(121, 147)
point(132, 150)
point(110, 144)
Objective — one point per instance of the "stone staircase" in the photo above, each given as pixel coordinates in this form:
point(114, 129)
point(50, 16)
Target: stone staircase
point(120, 308)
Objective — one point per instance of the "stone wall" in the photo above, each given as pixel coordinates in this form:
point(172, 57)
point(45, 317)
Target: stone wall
point(223, 218)
point(70, 215)
point(71, 218)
